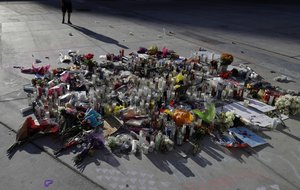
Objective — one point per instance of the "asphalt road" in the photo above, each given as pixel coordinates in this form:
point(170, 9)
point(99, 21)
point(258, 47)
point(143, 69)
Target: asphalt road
point(263, 35)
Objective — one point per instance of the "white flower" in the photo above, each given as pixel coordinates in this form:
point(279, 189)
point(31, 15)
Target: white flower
point(288, 96)
point(287, 103)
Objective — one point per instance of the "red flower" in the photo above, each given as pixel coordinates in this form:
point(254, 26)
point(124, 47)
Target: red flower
point(172, 102)
point(225, 75)
point(54, 71)
point(89, 56)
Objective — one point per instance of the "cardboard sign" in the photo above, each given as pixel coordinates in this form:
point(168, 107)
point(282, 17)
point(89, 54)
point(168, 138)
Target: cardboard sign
point(248, 114)
point(261, 106)
point(111, 125)
point(247, 136)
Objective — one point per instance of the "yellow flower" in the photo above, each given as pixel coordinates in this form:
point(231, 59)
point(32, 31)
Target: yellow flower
point(226, 58)
point(179, 78)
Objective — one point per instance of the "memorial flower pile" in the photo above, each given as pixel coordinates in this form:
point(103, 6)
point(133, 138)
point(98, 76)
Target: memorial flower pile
point(150, 100)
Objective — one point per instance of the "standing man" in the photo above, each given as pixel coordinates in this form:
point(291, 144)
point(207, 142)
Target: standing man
point(66, 6)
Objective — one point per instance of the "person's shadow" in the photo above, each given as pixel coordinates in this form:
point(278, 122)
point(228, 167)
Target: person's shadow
point(97, 36)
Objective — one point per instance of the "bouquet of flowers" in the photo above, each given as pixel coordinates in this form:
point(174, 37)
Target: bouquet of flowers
point(225, 120)
point(182, 117)
point(288, 104)
point(87, 59)
point(226, 59)
point(152, 50)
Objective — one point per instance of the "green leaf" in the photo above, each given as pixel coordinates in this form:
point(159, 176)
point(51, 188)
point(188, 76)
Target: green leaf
point(208, 115)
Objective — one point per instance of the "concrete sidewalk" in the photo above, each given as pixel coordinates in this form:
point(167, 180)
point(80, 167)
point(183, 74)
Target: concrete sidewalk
point(33, 30)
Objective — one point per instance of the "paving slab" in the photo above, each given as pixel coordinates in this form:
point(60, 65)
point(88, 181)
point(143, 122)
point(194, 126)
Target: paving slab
point(16, 42)
point(15, 27)
point(46, 25)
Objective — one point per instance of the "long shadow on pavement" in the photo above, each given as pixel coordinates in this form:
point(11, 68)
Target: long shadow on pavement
point(289, 134)
point(165, 162)
point(37, 146)
point(100, 155)
point(174, 159)
point(97, 36)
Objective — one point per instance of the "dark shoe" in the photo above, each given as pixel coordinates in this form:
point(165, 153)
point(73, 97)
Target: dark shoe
point(63, 21)
point(69, 22)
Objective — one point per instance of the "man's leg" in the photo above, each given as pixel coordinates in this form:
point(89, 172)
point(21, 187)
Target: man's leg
point(69, 17)
point(63, 20)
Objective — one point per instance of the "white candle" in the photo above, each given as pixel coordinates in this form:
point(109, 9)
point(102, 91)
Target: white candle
point(94, 77)
point(271, 100)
